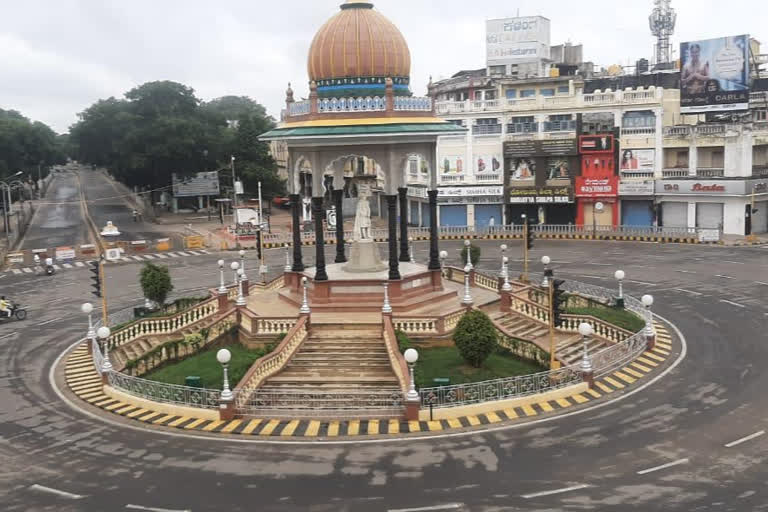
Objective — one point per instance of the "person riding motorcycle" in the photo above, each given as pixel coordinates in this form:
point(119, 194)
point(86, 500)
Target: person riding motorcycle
point(5, 309)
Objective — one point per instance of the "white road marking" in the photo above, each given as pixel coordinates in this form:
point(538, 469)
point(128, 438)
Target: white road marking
point(685, 271)
point(151, 509)
point(183, 254)
point(448, 506)
point(161, 256)
point(149, 256)
point(173, 255)
point(79, 264)
point(733, 303)
point(593, 277)
point(67, 265)
point(8, 335)
point(50, 490)
point(555, 491)
point(724, 277)
point(49, 321)
point(126, 259)
point(641, 282)
point(601, 264)
point(137, 258)
point(204, 251)
point(663, 466)
point(56, 267)
point(745, 439)
point(688, 291)
point(27, 270)
point(760, 282)
point(16, 271)
point(735, 262)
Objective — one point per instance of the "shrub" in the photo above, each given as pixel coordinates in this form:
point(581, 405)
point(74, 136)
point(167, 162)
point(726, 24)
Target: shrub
point(475, 337)
point(403, 341)
point(474, 252)
point(155, 282)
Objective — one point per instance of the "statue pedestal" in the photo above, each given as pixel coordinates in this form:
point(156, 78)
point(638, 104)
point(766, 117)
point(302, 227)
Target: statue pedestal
point(364, 257)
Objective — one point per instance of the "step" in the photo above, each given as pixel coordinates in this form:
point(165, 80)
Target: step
point(341, 356)
point(335, 377)
point(578, 348)
point(346, 334)
point(343, 346)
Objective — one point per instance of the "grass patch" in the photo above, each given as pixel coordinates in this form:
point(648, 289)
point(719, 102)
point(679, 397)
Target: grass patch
point(618, 317)
point(437, 362)
point(205, 366)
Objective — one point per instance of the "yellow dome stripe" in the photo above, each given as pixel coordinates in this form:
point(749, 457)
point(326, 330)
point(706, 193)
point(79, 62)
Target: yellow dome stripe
point(364, 121)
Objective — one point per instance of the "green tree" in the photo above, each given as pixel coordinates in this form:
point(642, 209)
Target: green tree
point(475, 337)
point(156, 282)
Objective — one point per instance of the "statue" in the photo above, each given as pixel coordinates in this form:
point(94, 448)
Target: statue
point(362, 229)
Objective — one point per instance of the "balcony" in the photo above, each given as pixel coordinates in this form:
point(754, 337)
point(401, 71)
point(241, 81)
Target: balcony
point(483, 106)
point(559, 126)
point(639, 175)
point(452, 179)
point(678, 131)
point(515, 128)
point(488, 178)
point(417, 192)
point(638, 131)
point(710, 172)
point(417, 178)
point(486, 129)
point(675, 172)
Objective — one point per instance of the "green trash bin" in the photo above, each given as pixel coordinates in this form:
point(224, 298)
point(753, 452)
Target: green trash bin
point(193, 381)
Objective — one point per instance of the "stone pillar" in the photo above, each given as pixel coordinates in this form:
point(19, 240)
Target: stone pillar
point(246, 287)
point(298, 265)
point(589, 378)
point(394, 266)
point(434, 261)
point(317, 212)
point(338, 196)
point(226, 410)
point(223, 302)
point(402, 195)
point(412, 410)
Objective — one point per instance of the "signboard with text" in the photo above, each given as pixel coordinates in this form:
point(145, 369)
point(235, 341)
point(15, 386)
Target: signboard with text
point(540, 195)
point(597, 187)
point(550, 147)
point(493, 190)
point(637, 160)
point(517, 39)
point(596, 143)
point(636, 188)
point(201, 184)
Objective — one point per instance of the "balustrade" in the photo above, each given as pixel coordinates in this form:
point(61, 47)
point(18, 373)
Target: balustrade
point(416, 326)
point(367, 104)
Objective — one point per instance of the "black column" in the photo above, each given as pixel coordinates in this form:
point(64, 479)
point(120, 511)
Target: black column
point(402, 194)
point(298, 264)
point(338, 196)
point(394, 266)
point(434, 261)
point(317, 213)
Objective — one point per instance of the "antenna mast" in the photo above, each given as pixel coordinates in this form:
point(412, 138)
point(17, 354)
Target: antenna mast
point(662, 23)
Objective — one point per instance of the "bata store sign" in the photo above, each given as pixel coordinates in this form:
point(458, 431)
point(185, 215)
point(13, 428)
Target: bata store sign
point(695, 188)
point(597, 187)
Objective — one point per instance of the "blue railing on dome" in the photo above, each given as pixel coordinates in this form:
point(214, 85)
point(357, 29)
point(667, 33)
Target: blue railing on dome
point(366, 104)
point(299, 108)
point(417, 103)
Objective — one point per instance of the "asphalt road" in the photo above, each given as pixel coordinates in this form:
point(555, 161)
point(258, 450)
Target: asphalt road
point(716, 296)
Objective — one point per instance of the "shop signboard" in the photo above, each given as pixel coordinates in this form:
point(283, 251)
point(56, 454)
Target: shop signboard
point(597, 187)
point(539, 195)
point(596, 143)
point(517, 39)
point(636, 188)
point(201, 184)
point(637, 160)
point(714, 75)
point(494, 190)
point(703, 187)
point(532, 148)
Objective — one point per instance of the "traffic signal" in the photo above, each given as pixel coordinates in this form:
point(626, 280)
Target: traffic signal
point(93, 268)
point(558, 301)
point(531, 235)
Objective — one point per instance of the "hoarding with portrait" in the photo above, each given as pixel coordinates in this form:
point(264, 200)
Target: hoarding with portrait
point(637, 160)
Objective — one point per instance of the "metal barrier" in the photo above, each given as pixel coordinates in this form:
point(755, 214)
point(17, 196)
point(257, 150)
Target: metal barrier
point(166, 393)
point(318, 403)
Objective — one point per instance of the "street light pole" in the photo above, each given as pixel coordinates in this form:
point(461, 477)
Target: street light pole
point(234, 189)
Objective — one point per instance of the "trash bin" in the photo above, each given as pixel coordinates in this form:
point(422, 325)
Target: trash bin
point(193, 381)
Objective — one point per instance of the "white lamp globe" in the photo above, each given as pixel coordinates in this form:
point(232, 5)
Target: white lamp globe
point(103, 332)
point(411, 356)
point(223, 356)
point(221, 263)
point(86, 308)
point(443, 254)
point(505, 259)
point(585, 329)
point(242, 253)
point(619, 275)
point(545, 260)
point(304, 280)
point(466, 268)
point(647, 300)
point(235, 265)
point(503, 247)
point(466, 243)
point(240, 272)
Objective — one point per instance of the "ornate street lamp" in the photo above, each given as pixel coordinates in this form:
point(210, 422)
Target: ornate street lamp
point(411, 356)
point(222, 286)
point(87, 308)
point(547, 271)
point(103, 333)
point(586, 331)
point(467, 300)
point(223, 356)
point(619, 275)
point(304, 309)
point(387, 307)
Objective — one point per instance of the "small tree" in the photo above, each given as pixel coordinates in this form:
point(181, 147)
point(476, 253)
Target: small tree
point(474, 252)
point(156, 282)
point(475, 337)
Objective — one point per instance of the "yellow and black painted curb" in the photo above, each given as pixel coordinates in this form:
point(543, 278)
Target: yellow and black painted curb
point(85, 382)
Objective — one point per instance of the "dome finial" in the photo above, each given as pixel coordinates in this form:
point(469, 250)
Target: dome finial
point(360, 4)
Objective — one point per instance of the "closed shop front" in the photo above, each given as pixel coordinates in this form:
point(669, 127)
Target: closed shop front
point(453, 215)
point(760, 218)
point(674, 215)
point(596, 217)
point(485, 212)
point(636, 213)
point(709, 215)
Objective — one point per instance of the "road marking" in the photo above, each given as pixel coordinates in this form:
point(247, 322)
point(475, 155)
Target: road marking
point(49, 321)
point(762, 283)
point(152, 509)
point(663, 466)
point(686, 271)
point(137, 258)
point(125, 259)
point(8, 335)
point(601, 264)
point(27, 270)
point(735, 262)
point(16, 271)
point(641, 282)
point(183, 254)
point(447, 506)
point(79, 264)
point(733, 303)
point(724, 277)
point(50, 490)
point(149, 256)
point(555, 491)
point(745, 439)
point(161, 256)
point(687, 291)
point(173, 255)
point(593, 277)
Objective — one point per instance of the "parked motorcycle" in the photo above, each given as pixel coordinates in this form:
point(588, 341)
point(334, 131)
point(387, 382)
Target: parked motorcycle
point(49, 270)
point(16, 311)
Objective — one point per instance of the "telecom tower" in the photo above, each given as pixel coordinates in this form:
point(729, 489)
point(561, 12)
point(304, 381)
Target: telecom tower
point(662, 23)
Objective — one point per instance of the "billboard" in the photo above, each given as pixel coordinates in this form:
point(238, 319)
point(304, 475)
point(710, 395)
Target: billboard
point(201, 184)
point(487, 164)
point(714, 75)
point(550, 147)
point(637, 160)
point(452, 164)
point(597, 187)
point(520, 39)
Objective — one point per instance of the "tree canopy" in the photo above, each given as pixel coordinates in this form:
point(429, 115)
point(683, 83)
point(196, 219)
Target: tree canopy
point(25, 144)
point(161, 128)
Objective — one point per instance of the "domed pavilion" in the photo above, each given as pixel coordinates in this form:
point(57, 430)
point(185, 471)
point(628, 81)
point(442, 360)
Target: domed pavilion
point(360, 105)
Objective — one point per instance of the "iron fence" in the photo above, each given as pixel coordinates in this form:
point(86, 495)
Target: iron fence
point(316, 403)
point(166, 393)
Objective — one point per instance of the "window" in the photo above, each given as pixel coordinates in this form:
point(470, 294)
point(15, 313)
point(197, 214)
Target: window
point(478, 95)
point(490, 95)
point(528, 93)
point(489, 120)
point(457, 122)
point(560, 117)
point(759, 115)
point(563, 89)
point(413, 166)
point(641, 119)
point(498, 70)
point(522, 119)
point(511, 94)
point(547, 92)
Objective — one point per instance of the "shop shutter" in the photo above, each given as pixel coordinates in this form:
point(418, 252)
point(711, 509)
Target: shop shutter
point(637, 213)
point(453, 215)
point(674, 215)
point(484, 212)
point(760, 219)
point(709, 215)
point(603, 218)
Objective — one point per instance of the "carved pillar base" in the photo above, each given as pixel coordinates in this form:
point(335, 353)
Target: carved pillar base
point(246, 288)
point(412, 410)
point(227, 410)
point(223, 301)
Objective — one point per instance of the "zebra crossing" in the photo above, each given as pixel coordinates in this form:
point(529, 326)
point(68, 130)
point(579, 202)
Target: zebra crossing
point(125, 259)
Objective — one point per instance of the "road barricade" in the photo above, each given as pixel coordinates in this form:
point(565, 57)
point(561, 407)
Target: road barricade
point(65, 254)
point(194, 242)
point(138, 246)
point(163, 244)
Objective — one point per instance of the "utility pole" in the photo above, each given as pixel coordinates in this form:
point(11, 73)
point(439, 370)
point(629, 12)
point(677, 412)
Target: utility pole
point(525, 249)
point(234, 188)
point(262, 268)
point(550, 290)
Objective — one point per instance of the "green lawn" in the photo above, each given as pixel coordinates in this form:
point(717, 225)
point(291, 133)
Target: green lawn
point(205, 366)
point(446, 362)
point(618, 317)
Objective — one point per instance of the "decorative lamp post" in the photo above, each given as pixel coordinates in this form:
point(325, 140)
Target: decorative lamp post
point(234, 266)
point(242, 265)
point(506, 286)
point(410, 244)
point(648, 302)
point(223, 356)
point(467, 245)
point(103, 333)
point(619, 275)
point(586, 331)
point(304, 309)
point(547, 271)
point(503, 270)
point(241, 277)
point(222, 286)
point(87, 308)
point(387, 307)
point(467, 300)
point(443, 257)
point(287, 267)
point(411, 356)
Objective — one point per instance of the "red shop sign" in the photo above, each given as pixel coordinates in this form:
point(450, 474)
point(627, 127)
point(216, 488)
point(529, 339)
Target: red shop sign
point(597, 187)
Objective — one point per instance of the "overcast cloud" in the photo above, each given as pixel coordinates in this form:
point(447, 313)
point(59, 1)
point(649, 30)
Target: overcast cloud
point(58, 57)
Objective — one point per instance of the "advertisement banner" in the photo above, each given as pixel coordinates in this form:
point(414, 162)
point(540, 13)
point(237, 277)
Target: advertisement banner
point(637, 160)
point(636, 188)
point(522, 169)
point(540, 195)
point(452, 165)
point(596, 143)
point(597, 187)
point(511, 39)
point(558, 168)
point(531, 148)
point(487, 164)
point(201, 184)
point(714, 75)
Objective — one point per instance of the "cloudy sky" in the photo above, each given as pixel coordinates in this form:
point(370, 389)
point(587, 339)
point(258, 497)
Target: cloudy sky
point(59, 56)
